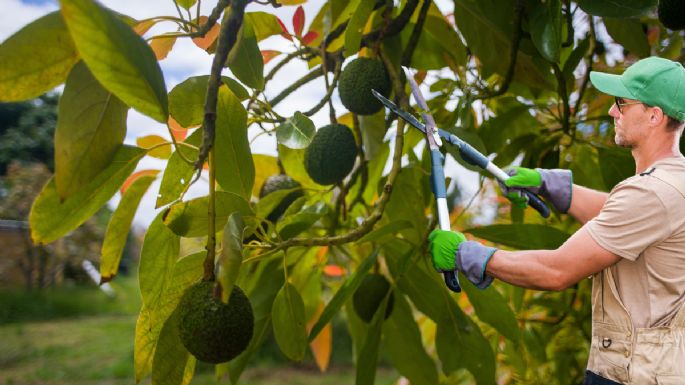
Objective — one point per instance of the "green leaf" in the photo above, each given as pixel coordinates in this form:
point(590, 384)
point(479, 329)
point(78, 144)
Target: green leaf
point(36, 59)
point(373, 132)
point(343, 294)
point(575, 57)
point(390, 228)
point(407, 203)
point(616, 165)
point(493, 309)
point(487, 27)
point(186, 271)
point(291, 225)
point(404, 345)
point(187, 99)
point(231, 256)
point(172, 363)
point(91, 126)
point(118, 58)
point(438, 46)
point(460, 344)
point(616, 8)
point(157, 259)
point(119, 225)
point(512, 121)
point(628, 33)
point(297, 132)
point(264, 24)
point(355, 27)
point(545, 29)
point(368, 355)
point(178, 173)
point(584, 163)
point(51, 218)
point(186, 3)
point(267, 204)
point(292, 161)
point(245, 59)
point(288, 322)
point(522, 236)
point(235, 168)
point(189, 219)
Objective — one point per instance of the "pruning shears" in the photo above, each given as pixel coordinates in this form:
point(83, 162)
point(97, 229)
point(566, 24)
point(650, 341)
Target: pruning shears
point(434, 138)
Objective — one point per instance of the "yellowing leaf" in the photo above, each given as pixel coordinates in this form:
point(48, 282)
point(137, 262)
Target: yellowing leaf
point(291, 2)
point(178, 173)
point(91, 126)
point(119, 225)
point(162, 46)
point(36, 59)
point(210, 37)
point(118, 58)
point(265, 166)
point(143, 26)
point(134, 177)
point(321, 345)
point(51, 218)
point(177, 131)
point(264, 24)
point(154, 141)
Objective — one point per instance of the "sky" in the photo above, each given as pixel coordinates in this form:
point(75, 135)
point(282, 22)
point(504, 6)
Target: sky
point(187, 60)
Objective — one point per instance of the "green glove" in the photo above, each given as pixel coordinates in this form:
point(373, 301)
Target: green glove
point(555, 186)
point(451, 251)
point(443, 246)
point(521, 177)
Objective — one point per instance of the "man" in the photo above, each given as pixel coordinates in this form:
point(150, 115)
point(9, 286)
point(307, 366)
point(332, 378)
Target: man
point(632, 241)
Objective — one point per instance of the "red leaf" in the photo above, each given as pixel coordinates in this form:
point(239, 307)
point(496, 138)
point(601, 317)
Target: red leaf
point(269, 54)
point(298, 21)
point(133, 177)
point(333, 271)
point(309, 37)
point(285, 33)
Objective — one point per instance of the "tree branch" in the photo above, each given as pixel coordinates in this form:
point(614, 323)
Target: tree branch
point(415, 34)
point(227, 39)
point(513, 54)
point(368, 223)
point(313, 74)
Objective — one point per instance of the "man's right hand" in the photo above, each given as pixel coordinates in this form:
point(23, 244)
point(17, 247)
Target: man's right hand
point(555, 186)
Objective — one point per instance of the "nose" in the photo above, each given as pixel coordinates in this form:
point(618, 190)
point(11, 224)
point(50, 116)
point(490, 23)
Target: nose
point(613, 111)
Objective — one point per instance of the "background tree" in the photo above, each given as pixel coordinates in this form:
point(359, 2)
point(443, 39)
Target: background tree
point(508, 76)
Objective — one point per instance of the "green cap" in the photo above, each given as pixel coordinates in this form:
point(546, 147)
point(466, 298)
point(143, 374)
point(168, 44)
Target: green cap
point(654, 81)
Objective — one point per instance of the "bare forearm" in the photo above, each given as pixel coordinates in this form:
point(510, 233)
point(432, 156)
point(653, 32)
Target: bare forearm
point(586, 203)
point(531, 269)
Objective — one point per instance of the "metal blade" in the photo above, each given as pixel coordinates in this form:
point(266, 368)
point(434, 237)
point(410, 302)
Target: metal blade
point(421, 102)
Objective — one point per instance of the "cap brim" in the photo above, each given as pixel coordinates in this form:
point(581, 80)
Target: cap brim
point(610, 84)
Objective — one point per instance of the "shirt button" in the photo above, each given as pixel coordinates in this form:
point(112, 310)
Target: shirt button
point(626, 353)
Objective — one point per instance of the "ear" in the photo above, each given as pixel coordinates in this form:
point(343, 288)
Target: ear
point(657, 117)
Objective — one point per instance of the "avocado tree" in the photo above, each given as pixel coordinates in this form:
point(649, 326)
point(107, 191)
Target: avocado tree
point(508, 76)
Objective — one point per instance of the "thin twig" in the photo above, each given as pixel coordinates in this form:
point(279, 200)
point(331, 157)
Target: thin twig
point(313, 74)
point(415, 34)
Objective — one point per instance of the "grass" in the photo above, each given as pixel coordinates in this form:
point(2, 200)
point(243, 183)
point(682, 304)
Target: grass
point(77, 336)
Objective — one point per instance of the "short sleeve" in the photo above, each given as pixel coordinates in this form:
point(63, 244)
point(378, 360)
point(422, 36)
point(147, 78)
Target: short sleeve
point(632, 219)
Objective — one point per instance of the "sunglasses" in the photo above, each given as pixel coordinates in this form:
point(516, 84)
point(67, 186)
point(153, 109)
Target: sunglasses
point(620, 102)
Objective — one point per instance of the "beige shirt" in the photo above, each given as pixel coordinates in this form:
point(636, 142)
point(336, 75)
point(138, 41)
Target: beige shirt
point(643, 221)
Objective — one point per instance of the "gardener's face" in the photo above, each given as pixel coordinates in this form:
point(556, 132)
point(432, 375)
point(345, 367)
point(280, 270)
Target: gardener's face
point(629, 122)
